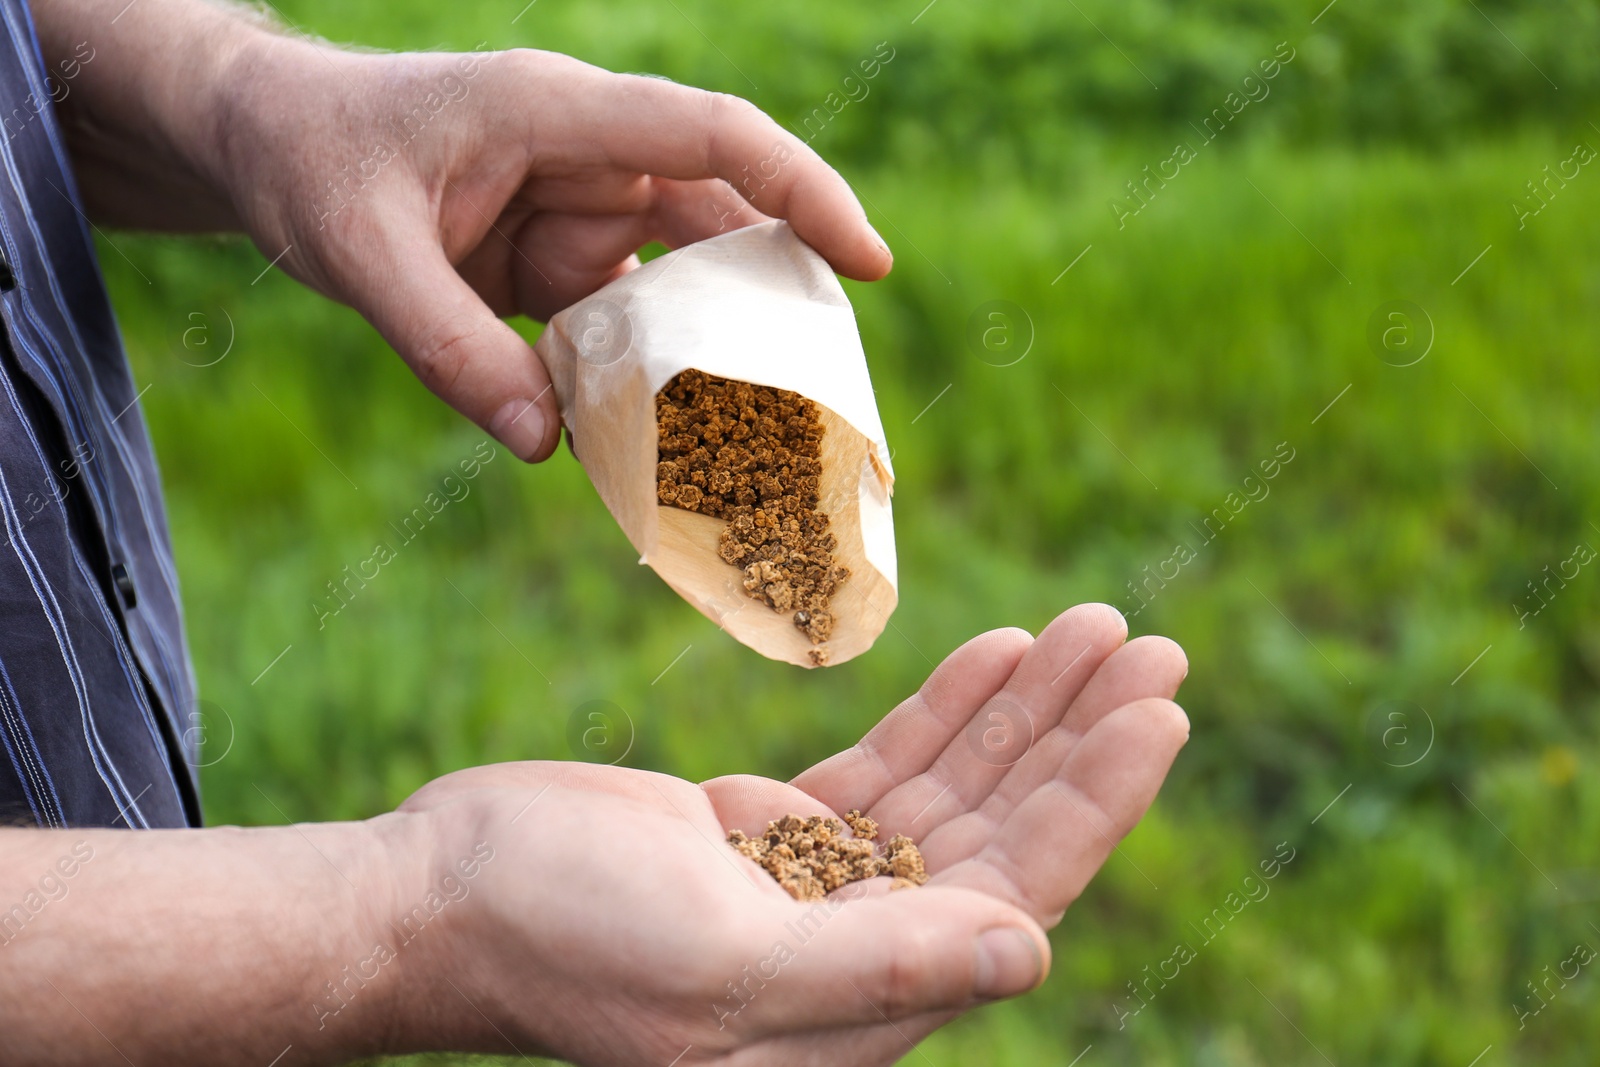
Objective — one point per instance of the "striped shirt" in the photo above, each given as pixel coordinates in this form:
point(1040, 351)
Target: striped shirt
point(97, 704)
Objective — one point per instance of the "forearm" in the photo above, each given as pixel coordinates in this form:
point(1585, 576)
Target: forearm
point(141, 91)
point(196, 946)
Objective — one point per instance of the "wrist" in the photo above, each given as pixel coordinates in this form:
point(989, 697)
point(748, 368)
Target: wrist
point(347, 1000)
point(450, 947)
point(141, 101)
point(214, 114)
point(325, 890)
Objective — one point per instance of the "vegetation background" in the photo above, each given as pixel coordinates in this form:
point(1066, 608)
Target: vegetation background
point(1370, 682)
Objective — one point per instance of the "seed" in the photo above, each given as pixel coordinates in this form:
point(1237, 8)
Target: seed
point(753, 456)
point(809, 857)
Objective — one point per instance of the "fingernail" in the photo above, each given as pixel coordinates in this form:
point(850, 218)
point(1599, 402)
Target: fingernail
point(519, 425)
point(1008, 963)
point(876, 236)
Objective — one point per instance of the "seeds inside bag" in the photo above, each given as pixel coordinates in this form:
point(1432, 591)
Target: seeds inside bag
point(759, 486)
point(752, 455)
point(811, 857)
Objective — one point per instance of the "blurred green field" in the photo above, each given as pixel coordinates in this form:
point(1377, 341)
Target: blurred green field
point(1227, 321)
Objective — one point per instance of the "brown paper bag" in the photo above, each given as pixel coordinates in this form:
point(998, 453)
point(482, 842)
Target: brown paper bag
point(755, 305)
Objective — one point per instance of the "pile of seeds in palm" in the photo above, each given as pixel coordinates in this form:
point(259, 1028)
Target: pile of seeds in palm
point(811, 857)
point(753, 456)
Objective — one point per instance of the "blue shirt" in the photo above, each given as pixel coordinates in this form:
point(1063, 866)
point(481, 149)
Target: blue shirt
point(97, 697)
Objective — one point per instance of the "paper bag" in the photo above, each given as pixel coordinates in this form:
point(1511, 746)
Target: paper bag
point(755, 305)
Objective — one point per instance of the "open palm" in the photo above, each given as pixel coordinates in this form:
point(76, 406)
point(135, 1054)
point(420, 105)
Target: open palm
point(617, 927)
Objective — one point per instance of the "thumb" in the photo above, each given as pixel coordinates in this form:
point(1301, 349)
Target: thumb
point(457, 346)
point(896, 955)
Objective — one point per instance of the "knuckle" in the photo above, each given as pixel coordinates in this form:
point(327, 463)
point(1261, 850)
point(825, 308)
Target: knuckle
point(905, 974)
point(724, 115)
point(728, 107)
point(1100, 822)
point(1017, 887)
point(442, 357)
point(550, 76)
point(528, 63)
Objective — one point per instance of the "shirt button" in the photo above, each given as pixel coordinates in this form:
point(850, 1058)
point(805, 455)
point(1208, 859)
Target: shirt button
point(124, 583)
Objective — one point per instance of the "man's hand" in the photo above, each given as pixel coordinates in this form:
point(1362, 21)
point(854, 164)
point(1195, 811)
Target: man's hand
point(431, 192)
point(616, 926)
point(597, 913)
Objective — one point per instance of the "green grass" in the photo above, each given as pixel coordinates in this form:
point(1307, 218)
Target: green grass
point(1173, 358)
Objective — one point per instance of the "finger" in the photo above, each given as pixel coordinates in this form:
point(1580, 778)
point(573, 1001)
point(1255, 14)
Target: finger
point(686, 212)
point(895, 956)
point(905, 742)
point(1052, 844)
point(455, 344)
point(658, 127)
point(1144, 667)
point(1149, 666)
point(748, 802)
point(1033, 700)
point(559, 259)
